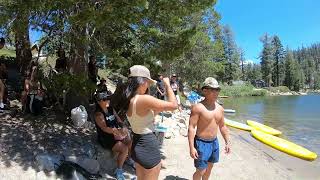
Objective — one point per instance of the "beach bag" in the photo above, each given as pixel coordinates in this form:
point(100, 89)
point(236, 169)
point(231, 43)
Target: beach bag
point(79, 116)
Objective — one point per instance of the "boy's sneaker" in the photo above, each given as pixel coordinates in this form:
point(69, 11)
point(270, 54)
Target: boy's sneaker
point(1, 105)
point(119, 174)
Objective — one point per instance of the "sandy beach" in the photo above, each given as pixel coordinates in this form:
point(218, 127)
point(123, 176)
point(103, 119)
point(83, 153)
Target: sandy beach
point(249, 160)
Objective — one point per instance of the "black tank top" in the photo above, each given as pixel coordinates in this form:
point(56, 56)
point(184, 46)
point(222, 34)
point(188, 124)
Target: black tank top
point(110, 120)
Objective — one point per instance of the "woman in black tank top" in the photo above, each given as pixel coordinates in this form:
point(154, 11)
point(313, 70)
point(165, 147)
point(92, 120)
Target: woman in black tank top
point(110, 131)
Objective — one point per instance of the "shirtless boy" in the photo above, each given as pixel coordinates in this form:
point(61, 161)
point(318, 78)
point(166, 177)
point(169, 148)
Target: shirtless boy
point(205, 119)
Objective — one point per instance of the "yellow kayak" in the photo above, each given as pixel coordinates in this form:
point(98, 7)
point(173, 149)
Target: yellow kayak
point(263, 128)
point(284, 145)
point(238, 125)
point(223, 96)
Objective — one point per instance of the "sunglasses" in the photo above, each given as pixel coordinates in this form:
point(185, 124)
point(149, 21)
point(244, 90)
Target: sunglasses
point(212, 89)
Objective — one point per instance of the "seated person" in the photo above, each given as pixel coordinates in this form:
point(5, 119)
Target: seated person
point(2, 42)
point(3, 88)
point(2, 94)
point(61, 62)
point(111, 135)
point(3, 71)
point(102, 86)
point(32, 96)
point(92, 69)
point(160, 88)
point(25, 89)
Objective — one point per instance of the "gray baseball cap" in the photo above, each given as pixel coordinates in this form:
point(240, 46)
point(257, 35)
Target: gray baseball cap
point(211, 82)
point(141, 71)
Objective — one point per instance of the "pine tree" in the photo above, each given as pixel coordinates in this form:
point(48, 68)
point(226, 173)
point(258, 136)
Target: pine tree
point(252, 72)
point(232, 55)
point(298, 76)
point(289, 70)
point(316, 81)
point(214, 30)
point(278, 55)
point(206, 55)
point(294, 77)
point(309, 67)
point(309, 60)
point(242, 63)
point(266, 60)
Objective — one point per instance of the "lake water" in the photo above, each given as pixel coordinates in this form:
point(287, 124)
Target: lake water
point(298, 117)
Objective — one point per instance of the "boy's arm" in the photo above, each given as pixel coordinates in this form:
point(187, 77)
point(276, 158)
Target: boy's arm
point(194, 117)
point(224, 131)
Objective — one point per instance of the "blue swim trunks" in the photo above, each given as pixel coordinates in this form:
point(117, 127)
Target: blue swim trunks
point(208, 151)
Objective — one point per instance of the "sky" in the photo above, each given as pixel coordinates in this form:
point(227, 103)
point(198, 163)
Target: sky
point(296, 22)
point(34, 36)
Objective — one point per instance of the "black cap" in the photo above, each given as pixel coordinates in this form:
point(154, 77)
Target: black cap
point(103, 80)
point(103, 96)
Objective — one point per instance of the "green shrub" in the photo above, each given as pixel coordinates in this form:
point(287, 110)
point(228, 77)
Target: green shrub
point(259, 92)
point(279, 89)
point(55, 84)
point(241, 90)
point(77, 84)
point(7, 52)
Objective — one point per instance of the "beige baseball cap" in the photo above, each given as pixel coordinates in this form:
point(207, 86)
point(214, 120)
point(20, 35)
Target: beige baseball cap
point(211, 82)
point(140, 71)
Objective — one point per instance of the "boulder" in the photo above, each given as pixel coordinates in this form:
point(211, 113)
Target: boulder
point(183, 132)
point(106, 159)
point(48, 162)
point(91, 165)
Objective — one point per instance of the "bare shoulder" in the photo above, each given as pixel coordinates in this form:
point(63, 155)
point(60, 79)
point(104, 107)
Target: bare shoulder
point(146, 97)
point(197, 108)
point(98, 114)
point(145, 100)
point(219, 107)
point(220, 112)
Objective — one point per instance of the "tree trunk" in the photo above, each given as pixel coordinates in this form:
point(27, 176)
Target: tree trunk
point(78, 62)
point(22, 41)
point(277, 61)
point(79, 52)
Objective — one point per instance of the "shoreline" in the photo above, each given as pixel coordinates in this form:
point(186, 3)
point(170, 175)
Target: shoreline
point(249, 159)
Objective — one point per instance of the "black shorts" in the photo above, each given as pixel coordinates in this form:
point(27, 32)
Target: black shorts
point(107, 141)
point(145, 150)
